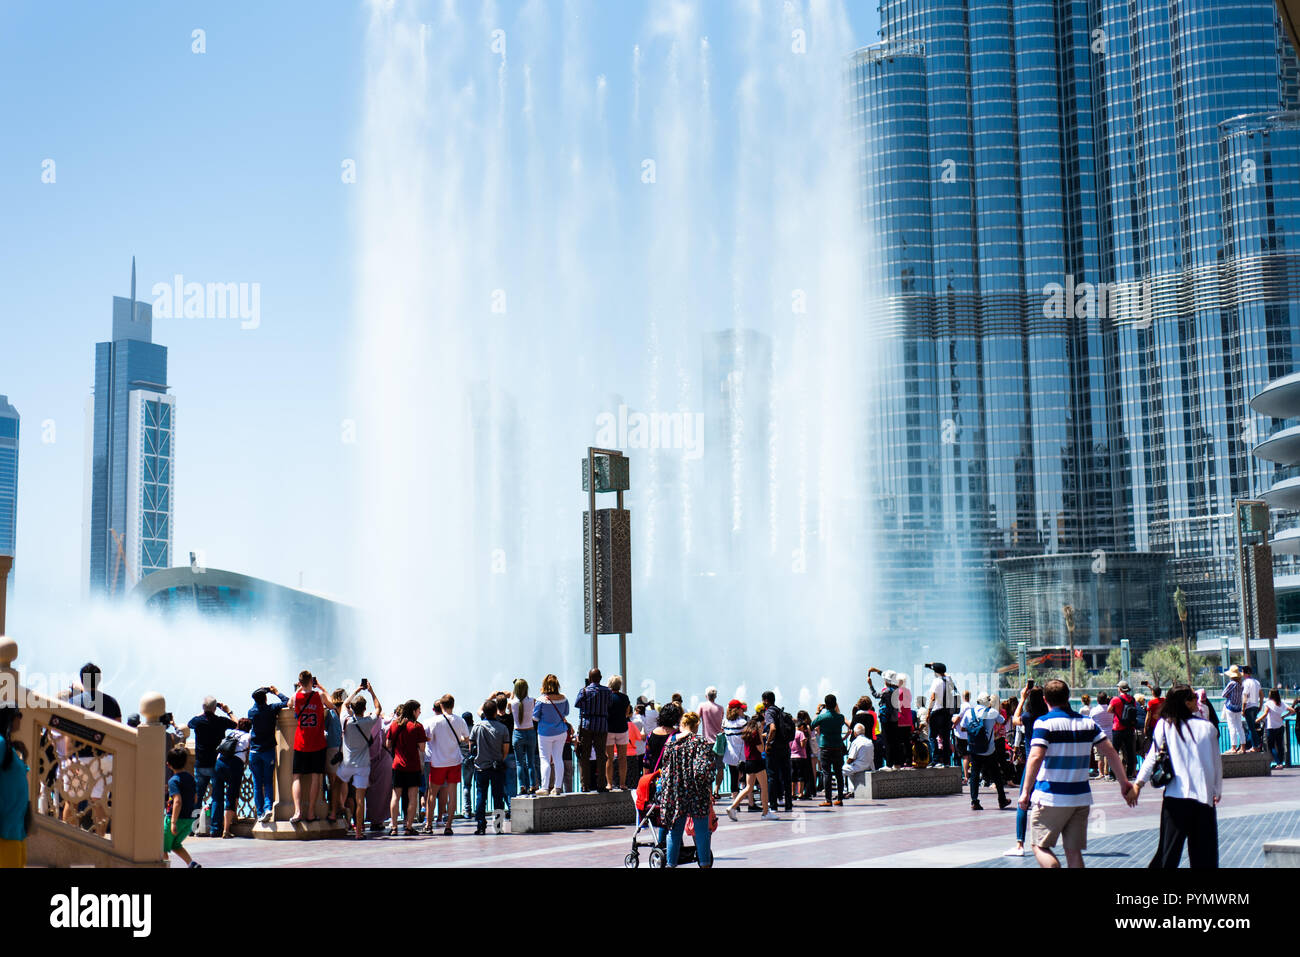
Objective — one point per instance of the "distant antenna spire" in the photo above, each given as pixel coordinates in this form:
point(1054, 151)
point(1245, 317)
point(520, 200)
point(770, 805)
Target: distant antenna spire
point(132, 287)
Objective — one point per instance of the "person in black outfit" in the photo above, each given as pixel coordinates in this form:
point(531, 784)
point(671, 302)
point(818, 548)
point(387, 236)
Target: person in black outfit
point(209, 728)
point(616, 772)
point(91, 698)
point(778, 753)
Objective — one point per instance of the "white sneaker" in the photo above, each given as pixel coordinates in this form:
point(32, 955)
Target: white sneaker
point(1014, 852)
point(731, 813)
point(556, 792)
point(769, 816)
point(267, 817)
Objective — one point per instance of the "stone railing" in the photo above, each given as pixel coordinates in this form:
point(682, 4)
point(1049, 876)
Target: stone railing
point(97, 786)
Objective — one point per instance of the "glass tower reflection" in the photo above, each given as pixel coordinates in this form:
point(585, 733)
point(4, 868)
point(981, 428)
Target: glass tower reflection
point(1075, 287)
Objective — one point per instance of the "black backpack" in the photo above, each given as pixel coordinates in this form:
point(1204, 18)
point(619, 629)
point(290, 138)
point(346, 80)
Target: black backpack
point(1129, 713)
point(977, 733)
point(229, 746)
point(784, 725)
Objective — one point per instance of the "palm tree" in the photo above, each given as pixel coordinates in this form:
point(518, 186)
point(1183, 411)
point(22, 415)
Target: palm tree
point(1180, 602)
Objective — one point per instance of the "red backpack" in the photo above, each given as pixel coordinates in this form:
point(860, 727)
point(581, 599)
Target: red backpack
point(645, 788)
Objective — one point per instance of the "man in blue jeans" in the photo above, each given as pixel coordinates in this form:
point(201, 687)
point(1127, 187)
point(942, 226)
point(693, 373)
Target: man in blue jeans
point(489, 743)
point(777, 746)
point(593, 731)
point(1252, 697)
point(261, 757)
point(209, 728)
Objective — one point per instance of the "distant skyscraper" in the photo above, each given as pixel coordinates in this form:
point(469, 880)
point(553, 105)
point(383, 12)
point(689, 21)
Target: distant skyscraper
point(9, 421)
point(1085, 214)
point(127, 519)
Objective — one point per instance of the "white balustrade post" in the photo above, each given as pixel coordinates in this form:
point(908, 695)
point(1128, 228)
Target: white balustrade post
point(146, 791)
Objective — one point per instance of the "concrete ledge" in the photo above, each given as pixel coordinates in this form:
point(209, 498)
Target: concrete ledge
point(1252, 764)
point(570, 812)
point(284, 831)
point(52, 844)
point(1282, 853)
point(917, 782)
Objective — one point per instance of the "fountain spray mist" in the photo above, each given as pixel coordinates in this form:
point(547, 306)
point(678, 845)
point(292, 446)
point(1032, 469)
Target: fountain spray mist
point(557, 248)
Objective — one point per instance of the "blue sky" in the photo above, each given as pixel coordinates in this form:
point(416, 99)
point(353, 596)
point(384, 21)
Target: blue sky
point(224, 167)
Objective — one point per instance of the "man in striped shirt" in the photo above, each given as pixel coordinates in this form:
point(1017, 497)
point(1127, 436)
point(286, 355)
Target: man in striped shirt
point(1056, 777)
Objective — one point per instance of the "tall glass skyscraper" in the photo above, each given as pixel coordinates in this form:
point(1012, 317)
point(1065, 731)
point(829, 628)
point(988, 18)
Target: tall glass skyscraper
point(1085, 224)
point(127, 514)
point(9, 422)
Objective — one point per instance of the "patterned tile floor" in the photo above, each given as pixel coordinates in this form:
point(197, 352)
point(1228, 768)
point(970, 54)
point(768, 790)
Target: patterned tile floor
point(1241, 844)
point(925, 832)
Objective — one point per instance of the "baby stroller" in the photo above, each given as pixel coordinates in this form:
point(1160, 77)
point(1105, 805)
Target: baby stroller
point(648, 816)
point(649, 820)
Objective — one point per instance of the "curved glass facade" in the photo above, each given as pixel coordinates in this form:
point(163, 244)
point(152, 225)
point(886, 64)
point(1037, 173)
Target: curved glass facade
point(1129, 600)
point(1061, 286)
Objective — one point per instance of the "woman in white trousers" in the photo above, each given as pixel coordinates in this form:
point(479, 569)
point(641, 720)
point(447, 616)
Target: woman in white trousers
point(549, 716)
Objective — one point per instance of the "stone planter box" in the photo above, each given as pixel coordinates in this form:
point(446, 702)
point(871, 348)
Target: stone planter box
point(1282, 853)
point(570, 812)
point(917, 782)
point(1249, 765)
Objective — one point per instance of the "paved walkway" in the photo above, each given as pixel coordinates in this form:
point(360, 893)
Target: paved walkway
point(1241, 843)
point(924, 832)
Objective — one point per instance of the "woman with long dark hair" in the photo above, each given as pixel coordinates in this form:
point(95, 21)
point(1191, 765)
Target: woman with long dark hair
point(15, 809)
point(405, 739)
point(670, 716)
point(755, 769)
point(1188, 814)
point(1273, 720)
point(1031, 707)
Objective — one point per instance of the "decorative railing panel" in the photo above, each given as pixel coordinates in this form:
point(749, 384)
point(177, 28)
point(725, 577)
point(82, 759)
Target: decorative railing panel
point(73, 768)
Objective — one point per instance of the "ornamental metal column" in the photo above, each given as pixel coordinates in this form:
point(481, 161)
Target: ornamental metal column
point(1256, 603)
point(607, 554)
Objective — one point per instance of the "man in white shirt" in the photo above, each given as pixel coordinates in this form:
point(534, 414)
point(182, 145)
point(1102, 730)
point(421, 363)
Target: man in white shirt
point(981, 745)
point(1055, 788)
point(861, 758)
point(1252, 698)
point(650, 713)
point(446, 734)
point(943, 702)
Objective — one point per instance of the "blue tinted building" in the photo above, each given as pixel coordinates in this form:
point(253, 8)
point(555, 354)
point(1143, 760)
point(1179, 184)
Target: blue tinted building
point(9, 421)
point(127, 523)
point(1084, 233)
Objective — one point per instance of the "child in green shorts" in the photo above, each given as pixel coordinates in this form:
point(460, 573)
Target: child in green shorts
point(181, 807)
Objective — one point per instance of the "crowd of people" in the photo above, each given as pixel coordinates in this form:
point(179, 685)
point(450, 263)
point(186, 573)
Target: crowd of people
point(413, 771)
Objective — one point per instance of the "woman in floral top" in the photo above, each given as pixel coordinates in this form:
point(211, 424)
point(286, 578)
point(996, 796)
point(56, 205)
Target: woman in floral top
point(687, 790)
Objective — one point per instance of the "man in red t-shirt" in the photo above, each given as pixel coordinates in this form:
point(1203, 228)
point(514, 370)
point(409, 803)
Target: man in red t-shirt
point(1123, 706)
point(405, 738)
point(308, 746)
point(1154, 704)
